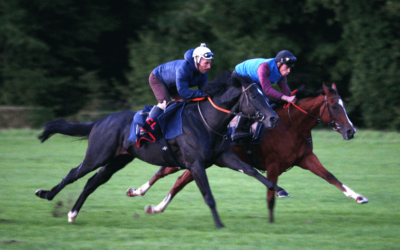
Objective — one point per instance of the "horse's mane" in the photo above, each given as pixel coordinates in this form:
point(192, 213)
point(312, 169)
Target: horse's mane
point(303, 93)
point(223, 81)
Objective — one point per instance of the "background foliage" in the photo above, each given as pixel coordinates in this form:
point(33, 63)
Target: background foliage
point(70, 55)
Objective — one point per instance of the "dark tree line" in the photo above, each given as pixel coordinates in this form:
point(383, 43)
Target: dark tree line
point(66, 55)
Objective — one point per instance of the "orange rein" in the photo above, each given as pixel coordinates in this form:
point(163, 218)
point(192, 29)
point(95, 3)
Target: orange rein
point(216, 107)
point(288, 104)
point(212, 103)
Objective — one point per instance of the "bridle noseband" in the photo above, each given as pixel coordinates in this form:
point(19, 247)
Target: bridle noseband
point(332, 123)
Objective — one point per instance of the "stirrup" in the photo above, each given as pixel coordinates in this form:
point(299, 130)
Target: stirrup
point(240, 134)
point(239, 131)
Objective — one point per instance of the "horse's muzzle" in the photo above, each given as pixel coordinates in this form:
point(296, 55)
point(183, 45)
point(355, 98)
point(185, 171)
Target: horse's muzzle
point(274, 121)
point(350, 134)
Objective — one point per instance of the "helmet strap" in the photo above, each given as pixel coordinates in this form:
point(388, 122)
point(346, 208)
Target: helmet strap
point(197, 63)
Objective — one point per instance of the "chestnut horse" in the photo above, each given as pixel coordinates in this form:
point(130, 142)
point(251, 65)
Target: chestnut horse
point(289, 144)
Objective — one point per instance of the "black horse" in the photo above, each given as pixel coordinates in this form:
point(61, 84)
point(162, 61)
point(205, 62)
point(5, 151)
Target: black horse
point(200, 145)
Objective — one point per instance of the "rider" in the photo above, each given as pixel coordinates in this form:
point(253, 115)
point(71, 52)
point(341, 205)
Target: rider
point(267, 72)
point(173, 79)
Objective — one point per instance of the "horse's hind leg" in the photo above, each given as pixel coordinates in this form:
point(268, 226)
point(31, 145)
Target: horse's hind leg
point(75, 173)
point(98, 154)
point(312, 163)
point(162, 172)
point(272, 174)
point(180, 183)
point(101, 177)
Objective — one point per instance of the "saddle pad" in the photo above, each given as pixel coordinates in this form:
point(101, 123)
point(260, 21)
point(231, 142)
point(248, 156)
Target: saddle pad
point(171, 120)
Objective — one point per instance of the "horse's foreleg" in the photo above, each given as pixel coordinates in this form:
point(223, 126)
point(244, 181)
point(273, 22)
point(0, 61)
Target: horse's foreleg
point(162, 172)
point(199, 175)
point(312, 163)
point(231, 160)
point(182, 181)
point(101, 177)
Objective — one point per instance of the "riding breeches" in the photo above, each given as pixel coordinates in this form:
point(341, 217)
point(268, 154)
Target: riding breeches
point(161, 91)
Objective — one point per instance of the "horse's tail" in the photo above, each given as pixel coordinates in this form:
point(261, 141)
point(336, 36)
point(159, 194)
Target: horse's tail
point(64, 127)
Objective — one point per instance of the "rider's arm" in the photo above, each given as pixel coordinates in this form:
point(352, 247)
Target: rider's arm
point(182, 85)
point(286, 91)
point(263, 72)
point(283, 86)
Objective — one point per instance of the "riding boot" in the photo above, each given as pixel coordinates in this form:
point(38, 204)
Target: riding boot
point(154, 113)
point(241, 129)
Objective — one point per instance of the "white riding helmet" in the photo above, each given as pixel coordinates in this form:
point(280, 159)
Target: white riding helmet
point(202, 52)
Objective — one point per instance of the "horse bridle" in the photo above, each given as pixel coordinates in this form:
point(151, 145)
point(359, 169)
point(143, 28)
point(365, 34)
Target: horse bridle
point(259, 116)
point(319, 119)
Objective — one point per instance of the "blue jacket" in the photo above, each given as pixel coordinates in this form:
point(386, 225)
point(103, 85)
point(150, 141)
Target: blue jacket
point(249, 67)
point(182, 74)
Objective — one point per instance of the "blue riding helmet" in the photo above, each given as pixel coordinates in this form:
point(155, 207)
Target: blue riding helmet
point(286, 57)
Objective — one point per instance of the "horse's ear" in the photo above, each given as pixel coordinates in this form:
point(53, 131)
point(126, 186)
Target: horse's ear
point(326, 90)
point(334, 86)
point(236, 82)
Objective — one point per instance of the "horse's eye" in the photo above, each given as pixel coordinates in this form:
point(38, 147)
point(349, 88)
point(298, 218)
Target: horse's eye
point(335, 106)
point(253, 96)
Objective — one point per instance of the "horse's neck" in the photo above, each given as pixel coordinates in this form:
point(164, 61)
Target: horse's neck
point(300, 121)
point(216, 119)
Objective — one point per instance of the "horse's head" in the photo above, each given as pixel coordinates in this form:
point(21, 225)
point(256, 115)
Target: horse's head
point(334, 113)
point(254, 103)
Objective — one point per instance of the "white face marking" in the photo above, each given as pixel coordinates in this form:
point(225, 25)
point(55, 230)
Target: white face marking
point(341, 104)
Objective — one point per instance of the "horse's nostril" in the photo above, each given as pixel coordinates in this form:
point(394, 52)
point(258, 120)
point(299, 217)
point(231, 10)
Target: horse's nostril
point(274, 121)
point(350, 133)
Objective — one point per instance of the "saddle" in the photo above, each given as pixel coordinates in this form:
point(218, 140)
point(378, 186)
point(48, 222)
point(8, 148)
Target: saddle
point(168, 125)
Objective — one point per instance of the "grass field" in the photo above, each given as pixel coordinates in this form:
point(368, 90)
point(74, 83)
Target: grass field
point(316, 216)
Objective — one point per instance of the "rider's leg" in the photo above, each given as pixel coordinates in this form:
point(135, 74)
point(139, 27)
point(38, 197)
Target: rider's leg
point(241, 129)
point(162, 96)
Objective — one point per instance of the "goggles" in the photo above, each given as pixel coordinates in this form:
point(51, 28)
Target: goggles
point(208, 55)
point(290, 64)
point(289, 61)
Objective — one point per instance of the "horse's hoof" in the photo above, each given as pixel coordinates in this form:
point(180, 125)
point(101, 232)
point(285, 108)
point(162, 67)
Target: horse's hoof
point(38, 192)
point(361, 200)
point(72, 216)
point(150, 209)
point(282, 193)
point(131, 192)
point(219, 225)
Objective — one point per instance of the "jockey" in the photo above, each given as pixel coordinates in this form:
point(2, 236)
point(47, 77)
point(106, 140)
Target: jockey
point(267, 72)
point(173, 79)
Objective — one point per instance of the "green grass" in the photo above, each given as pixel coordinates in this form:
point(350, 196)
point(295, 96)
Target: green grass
point(316, 216)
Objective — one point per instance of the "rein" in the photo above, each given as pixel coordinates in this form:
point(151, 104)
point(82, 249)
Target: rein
point(319, 119)
point(258, 116)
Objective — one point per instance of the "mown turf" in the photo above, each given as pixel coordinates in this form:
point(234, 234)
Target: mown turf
point(316, 216)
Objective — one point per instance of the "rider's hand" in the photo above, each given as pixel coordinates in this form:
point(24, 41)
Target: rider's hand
point(291, 99)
